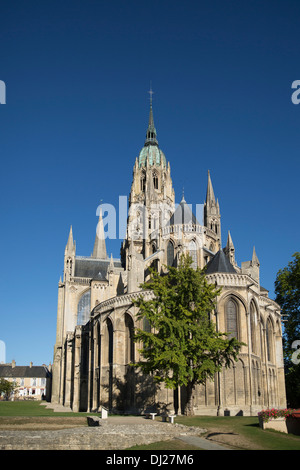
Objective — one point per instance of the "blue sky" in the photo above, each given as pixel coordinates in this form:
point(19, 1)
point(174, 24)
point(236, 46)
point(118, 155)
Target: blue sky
point(77, 76)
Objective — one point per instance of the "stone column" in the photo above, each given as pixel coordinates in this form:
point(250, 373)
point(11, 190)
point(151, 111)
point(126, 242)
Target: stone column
point(249, 386)
point(104, 392)
point(266, 372)
point(77, 368)
point(96, 375)
point(56, 374)
point(62, 374)
point(90, 371)
point(118, 372)
point(69, 367)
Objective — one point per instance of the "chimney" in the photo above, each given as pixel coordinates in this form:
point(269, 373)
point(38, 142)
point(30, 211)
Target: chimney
point(13, 363)
point(30, 364)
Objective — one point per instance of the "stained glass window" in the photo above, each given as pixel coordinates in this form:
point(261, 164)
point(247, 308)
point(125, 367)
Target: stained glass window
point(269, 334)
point(231, 319)
point(170, 254)
point(83, 309)
point(193, 253)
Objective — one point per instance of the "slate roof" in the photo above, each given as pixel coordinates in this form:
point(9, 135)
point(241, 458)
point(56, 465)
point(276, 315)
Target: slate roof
point(219, 264)
point(93, 268)
point(183, 215)
point(6, 370)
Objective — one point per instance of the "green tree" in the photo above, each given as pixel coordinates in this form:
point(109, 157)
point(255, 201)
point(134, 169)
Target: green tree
point(182, 346)
point(287, 290)
point(6, 388)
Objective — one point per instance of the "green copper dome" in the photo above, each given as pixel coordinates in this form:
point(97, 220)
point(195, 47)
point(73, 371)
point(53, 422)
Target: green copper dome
point(154, 154)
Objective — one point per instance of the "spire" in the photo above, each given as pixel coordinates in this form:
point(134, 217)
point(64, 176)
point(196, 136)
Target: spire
point(212, 216)
point(69, 262)
point(254, 258)
point(210, 196)
point(229, 249)
point(70, 247)
point(111, 264)
point(151, 131)
point(229, 241)
point(100, 246)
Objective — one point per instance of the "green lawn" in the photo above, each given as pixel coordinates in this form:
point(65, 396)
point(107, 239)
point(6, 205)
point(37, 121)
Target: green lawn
point(245, 431)
point(31, 408)
point(248, 428)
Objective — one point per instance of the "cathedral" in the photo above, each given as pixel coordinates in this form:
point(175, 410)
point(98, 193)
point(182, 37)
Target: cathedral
point(96, 317)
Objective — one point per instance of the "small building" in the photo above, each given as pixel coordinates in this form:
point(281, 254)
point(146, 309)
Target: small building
point(32, 381)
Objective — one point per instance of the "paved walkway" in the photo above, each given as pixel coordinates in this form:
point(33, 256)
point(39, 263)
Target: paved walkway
point(202, 443)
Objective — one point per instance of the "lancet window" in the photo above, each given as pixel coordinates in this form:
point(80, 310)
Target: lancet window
point(84, 308)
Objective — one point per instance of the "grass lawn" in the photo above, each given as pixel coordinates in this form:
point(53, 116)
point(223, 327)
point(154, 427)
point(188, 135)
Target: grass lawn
point(238, 432)
point(243, 432)
point(32, 408)
point(31, 415)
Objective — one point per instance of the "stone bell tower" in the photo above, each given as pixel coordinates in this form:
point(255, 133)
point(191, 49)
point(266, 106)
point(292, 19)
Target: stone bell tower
point(151, 200)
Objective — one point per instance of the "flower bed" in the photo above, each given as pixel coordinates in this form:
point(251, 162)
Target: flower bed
point(275, 419)
point(266, 415)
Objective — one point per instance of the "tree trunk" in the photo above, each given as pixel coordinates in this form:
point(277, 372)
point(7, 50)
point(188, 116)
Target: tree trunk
point(189, 405)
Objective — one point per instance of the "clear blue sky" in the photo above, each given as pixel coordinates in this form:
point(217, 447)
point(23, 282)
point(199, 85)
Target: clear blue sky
point(77, 75)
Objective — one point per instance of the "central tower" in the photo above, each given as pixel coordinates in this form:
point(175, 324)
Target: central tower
point(151, 201)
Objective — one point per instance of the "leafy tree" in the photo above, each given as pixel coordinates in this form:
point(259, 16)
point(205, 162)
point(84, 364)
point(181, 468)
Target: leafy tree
point(287, 290)
point(6, 388)
point(182, 347)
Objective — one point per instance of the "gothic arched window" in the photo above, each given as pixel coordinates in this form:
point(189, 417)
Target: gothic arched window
point(110, 337)
point(84, 308)
point(143, 182)
point(253, 324)
point(155, 180)
point(232, 318)
point(170, 254)
point(193, 253)
point(269, 338)
point(129, 343)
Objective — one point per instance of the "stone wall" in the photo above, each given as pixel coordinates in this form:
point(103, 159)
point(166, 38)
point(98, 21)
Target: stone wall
point(107, 436)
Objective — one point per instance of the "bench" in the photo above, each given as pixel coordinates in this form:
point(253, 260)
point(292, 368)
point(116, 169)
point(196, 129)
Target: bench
point(170, 416)
point(93, 420)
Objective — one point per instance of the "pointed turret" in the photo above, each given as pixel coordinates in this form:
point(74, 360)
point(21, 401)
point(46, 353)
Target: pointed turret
point(229, 250)
point(252, 267)
point(255, 261)
point(100, 246)
point(111, 264)
point(210, 196)
point(212, 210)
point(71, 245)
point(69, 262)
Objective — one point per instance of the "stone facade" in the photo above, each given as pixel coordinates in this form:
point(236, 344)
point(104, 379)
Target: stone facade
point(96, 317)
